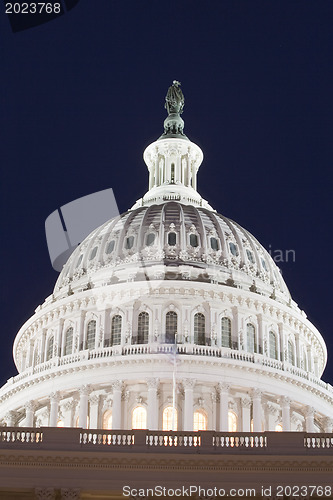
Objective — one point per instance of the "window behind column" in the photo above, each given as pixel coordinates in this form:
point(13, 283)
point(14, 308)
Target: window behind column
point(167, 419)
point(232, 421)
point(107, 419)
point(91, 333)
point(139, 418)
point(116, 329)
point(200, 420)
point(199, 329)
point(226, 332)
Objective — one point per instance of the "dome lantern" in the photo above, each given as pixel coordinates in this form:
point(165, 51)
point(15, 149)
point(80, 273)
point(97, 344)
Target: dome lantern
point(173, 160)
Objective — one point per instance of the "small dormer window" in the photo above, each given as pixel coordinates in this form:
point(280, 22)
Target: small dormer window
point(150, 239)
point(194, 240)
point(263, 262)
point(250, 256)
point(172, 238)
point(93, 253)
point(233, 249)
point(110, 247)
point(214, 244)
point(129, 242)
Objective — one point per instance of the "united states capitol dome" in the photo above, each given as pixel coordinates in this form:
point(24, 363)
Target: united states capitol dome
point(170, 317)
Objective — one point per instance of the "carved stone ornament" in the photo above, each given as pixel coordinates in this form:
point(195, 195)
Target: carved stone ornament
point(70, 494)
point(45, 494)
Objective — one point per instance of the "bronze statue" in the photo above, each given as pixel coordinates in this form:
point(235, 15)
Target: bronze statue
point(174, 100)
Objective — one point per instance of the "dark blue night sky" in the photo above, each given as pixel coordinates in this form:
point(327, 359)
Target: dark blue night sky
point(83, 95)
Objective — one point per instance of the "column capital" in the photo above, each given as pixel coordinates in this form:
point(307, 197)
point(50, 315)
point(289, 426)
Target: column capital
point(94, 399)
point(272, 409)
point(85, 390)
point(117, 385)
point(309, 411)
point(214, 397)
point(55, 396)
point(246, 402)
point(153, 383)
point(188, 383)
point(224, 387)
point(256, 393)
point(30, 406)
point(285, 401)
point(9, 417)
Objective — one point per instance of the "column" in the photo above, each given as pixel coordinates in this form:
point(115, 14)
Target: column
point(188, 385)
point(83, 410)
point(298, 354)
point(116, 404)
point(10, 419)
point(224, 407)
point(54, 400)
point(94, 409)
point(69, 411)
point(285, 404)
point(328, 425)
point(256, 398)
point(272, 413)
point(309, 419)
point(246, 414)
point(29, 414)
point(152, 403)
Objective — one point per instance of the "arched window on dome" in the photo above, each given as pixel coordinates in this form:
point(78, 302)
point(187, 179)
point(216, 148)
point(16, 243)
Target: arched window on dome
point(194, 242)
point(139, 418)
point(199, 329)
point(167, 419)
point(273, 351)
point(150, 239)
point(107, 420)
point(251, 338)
point(91, 334)
point(226, 332)
point(49, 350)
point(170, 327)
point(68, 347)
point(214, 244)
point(232, 421)
point(291, 353)
point(110, 247)
point(200, 420)
point(143, 328)
point(116, 329)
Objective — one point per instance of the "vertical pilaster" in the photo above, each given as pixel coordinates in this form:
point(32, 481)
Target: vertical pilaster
point(285, 405)
point(188, 385)
point(214, 397)
point(29, 414)
point(246, 414)
point(257, 411)
point(116, 404)
point(83, 410)
point(54, 409)
point(309, 419)
point(224, 406)
point(152, 416)
point(94, 412)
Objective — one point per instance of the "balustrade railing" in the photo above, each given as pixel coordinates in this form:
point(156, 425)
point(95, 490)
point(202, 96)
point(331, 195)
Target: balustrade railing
point(21, 435)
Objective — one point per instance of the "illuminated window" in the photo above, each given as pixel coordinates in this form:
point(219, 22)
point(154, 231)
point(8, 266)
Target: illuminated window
point(200, 420)
point(68, 341)
point(49, 352)
point(251, 338)
point(107, 420)
point(291, 355)
point(168, 417)
point(91, 333)
point(272, 346)
point(139, 418)
point(226, 332)
point(60, 423)
point(278, 428)
point(194, 240)
point(214, 244)
point(232, 421)
point(170, 327)
point(150, 239)
point(116, 330)
point(199, 329)
point(143, 328)
point(77, 421)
